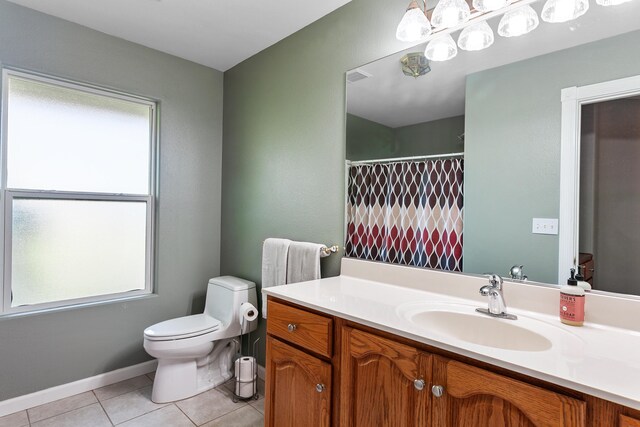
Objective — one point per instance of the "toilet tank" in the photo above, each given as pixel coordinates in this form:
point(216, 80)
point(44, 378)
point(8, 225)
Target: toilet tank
point(225, 294)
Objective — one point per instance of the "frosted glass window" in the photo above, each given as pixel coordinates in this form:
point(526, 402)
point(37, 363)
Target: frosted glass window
point(65, 139)
point(77, 183)
point(66, 249)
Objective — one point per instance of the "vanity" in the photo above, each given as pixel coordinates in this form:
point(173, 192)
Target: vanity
point(384, 344)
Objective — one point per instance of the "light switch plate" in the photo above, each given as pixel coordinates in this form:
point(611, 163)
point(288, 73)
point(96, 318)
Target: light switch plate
point(545, 226)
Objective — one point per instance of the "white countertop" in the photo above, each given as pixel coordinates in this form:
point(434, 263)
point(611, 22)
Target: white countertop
point(599, 360)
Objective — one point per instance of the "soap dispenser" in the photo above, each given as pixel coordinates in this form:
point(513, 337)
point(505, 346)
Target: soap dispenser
point(572, 302)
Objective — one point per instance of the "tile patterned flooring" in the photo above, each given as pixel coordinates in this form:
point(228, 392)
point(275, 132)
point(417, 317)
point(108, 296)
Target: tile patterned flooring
point(128, 404)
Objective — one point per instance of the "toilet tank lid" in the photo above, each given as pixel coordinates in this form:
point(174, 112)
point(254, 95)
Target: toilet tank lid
point(232, 283)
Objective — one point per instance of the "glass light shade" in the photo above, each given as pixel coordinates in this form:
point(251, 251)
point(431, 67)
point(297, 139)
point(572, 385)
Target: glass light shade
point(449, 13)
point(489, 5)
point(518, 22)
point(441, 49)
point(555, 11)
point(611, 2)
point(476, 37)
point(414, 25)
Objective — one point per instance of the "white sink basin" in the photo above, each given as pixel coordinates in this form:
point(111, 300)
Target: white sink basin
point(463, 323)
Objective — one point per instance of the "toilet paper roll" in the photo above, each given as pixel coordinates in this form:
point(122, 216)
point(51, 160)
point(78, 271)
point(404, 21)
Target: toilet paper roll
point(246, 376)
point(245, 390)
point(245, 368)
point(248, 313)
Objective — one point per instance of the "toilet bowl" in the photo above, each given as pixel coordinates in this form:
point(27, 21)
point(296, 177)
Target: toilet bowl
point(195, 352)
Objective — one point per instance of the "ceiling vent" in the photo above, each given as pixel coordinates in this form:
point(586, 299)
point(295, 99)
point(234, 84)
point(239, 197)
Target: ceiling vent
point(356, 75)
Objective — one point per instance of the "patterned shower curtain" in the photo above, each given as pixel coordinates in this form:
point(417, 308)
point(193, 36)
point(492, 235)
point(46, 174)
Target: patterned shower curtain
point(407, 213)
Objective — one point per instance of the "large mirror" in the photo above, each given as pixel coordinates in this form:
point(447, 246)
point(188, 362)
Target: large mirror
point(497, 113)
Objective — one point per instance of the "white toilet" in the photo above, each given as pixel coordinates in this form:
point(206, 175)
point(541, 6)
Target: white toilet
point(195, 352)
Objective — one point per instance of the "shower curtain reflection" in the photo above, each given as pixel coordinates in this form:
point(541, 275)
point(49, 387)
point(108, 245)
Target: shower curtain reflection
point(406, 212)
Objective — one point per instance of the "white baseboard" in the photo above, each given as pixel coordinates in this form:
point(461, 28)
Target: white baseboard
point(41, 397)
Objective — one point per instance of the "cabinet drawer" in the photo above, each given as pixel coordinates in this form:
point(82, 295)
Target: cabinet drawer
point(308, 330)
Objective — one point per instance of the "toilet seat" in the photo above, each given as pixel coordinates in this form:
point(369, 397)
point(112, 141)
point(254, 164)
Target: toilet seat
point(182, 327)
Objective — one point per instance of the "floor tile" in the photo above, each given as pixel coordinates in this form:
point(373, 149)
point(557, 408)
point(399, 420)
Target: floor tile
point(130, 405)
point(258, 404)
point(209, 405)
point(167, 416)
point(113, 390)
point(243, 417)
point(61, 406)
point(91, 415)
point(18, 419)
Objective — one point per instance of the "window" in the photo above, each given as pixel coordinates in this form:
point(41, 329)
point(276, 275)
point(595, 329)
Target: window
point(78, 167)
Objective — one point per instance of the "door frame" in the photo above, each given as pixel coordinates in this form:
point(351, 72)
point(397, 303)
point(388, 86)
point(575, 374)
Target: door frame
point(573, 98)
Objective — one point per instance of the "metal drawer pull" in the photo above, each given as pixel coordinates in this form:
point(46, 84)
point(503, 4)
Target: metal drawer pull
point(292, 327)
point(437, 390)
point(418, 384)
point(319, 388)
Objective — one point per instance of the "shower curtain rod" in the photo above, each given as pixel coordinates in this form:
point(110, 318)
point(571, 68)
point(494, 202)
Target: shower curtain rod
point(404, 159)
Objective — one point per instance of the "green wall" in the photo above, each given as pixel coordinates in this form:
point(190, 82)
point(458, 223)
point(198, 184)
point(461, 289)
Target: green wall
point(370, 140)
point(367, 139)
point(434, 137)
point(512, 155)
point(38, 351)
point(284, 135)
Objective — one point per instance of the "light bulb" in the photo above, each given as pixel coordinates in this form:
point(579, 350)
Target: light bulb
point(489, 5)
point(442, 48)
point(563, 10)
point(518, 22)
point(476, 37)
point(414, 25)
point(450, 13)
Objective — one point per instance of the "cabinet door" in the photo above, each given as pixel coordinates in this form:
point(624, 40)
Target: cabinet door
point(382, 382)
point(298, 388)
point(474, 397)
point(628, 422)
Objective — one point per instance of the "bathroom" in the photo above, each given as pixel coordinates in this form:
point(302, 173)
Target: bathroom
point(258, 151)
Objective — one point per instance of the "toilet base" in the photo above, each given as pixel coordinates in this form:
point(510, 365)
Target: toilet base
point(178, 379)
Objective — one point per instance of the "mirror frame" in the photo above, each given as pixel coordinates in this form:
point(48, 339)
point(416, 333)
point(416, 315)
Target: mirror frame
point(573, 98)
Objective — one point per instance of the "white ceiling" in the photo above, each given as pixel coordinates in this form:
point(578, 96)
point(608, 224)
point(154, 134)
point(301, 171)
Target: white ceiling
point(393, 99)
point(216, 33)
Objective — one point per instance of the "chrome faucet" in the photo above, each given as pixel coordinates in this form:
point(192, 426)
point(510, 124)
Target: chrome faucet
point(517, 273)
point(497, 306)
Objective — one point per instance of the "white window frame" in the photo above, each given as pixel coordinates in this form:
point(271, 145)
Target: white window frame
point(7, 197)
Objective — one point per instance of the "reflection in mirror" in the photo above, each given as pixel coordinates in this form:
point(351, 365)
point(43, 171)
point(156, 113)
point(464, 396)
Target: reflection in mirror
point(609, 236)
point(501, 107)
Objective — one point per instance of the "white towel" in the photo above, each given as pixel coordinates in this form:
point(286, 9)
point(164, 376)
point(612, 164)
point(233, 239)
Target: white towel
point(303, 262)
point(274, 266)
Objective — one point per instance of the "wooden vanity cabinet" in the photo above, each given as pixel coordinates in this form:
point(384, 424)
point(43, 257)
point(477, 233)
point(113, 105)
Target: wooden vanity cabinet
point(475, 397)
point(382, 382)
point(327, 371)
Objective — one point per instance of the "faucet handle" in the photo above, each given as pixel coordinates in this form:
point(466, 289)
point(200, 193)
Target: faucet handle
point(495, 280)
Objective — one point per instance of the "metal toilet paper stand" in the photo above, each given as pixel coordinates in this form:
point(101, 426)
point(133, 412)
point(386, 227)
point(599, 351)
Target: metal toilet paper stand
point(241, 380)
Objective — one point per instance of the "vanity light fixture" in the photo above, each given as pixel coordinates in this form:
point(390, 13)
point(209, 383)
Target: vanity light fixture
point(518, 22)
point(414, 25)
point(476, 37)
point(442, 48)
point(450, 13)
point(415, 64)
point(556, 11)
